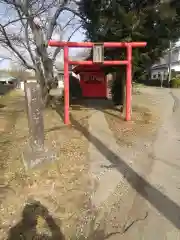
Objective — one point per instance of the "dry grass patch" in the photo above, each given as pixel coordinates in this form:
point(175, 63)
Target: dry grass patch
point(143, 123)
point(61, 186)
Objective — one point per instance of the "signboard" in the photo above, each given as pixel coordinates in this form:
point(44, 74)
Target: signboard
point(92, 79)
point(98, 53)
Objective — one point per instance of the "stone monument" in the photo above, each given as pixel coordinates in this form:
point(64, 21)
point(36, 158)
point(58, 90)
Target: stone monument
point(36, 152)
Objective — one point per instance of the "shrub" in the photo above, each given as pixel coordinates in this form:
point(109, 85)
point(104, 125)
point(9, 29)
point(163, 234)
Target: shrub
point(175, 82)
point(75, 90)
point(117, 91)
point(117, 87)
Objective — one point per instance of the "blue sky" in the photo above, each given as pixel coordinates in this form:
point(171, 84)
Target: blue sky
point(64, 17)
point(77, 37)
point(4, 64)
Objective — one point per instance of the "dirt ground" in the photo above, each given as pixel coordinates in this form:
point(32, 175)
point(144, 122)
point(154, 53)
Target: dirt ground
point(136, 207)
point(62, 187)
point(145, 117)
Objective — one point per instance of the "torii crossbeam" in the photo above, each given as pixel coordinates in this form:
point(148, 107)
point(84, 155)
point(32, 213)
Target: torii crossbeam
point(127, 62)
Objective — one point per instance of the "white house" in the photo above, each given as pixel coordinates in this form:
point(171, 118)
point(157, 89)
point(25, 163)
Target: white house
point(162, 67)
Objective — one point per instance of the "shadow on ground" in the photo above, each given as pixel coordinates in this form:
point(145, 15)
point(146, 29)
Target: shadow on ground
point(164, 205)
point(27, 227)
point(156, 83)
point(4, 89)
point(103, 105)
point(2, 105)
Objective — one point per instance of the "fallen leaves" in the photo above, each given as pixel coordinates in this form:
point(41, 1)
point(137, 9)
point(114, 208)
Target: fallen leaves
point(62, 185)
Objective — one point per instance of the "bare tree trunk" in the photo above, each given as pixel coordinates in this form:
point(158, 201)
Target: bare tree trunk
point(43, 85)
point(36, 22)
point(44, 65)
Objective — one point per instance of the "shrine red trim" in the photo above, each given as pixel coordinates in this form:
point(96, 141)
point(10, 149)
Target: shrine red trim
point(128, 63)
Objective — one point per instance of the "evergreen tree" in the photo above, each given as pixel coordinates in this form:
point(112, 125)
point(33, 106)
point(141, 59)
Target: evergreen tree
point(153, 21)
point(133, 20)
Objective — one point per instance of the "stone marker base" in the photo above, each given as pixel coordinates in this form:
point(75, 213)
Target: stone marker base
point(33, 158)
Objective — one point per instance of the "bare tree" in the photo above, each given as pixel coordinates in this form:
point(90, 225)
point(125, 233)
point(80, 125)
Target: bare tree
point(25, 28)
point(82, 55)
point(3, 58)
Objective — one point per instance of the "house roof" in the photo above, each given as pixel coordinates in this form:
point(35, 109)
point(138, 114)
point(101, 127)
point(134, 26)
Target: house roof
point(7, 78)
point(164, 61)
point(165, 65)
point(87, 68)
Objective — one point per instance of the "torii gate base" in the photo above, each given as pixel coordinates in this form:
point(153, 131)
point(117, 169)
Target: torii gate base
point(128, 63)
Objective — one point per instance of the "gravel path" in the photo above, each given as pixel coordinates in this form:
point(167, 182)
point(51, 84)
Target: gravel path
point(136, 187)
point(105, 177)
point(145, 204)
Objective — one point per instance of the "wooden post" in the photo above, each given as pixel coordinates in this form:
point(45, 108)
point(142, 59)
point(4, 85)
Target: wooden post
point(98, 58)
point(129, 83)
point(36, 152)
point(66, 86)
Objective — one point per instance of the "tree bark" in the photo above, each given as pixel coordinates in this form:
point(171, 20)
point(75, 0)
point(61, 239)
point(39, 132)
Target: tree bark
point(44, 65)
point(43, 85)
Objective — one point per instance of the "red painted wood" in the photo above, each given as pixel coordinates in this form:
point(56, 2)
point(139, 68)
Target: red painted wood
point(66, 86)
point(55, 43)
point(93, 89)
point(107, 63)
point(87, 68)
point(98, 89)
point(128, 83)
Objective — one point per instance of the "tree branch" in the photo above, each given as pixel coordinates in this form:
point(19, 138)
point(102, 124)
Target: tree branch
point(9, 44)
point(75, 12)
point(67, 24)
point(58, 49)
point(3, 58)
point(75, 30)
point(28, 44)
point(17, 7)
point(61, 8)
point(28, 47)
point(54, 19)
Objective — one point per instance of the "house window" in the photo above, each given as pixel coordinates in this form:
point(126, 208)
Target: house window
point(154, 76)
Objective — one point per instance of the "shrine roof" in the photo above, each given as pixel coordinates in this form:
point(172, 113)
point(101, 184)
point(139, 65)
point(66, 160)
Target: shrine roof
point(87, 68)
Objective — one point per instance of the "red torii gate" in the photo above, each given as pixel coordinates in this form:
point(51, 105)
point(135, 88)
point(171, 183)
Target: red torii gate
point(128, 63)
